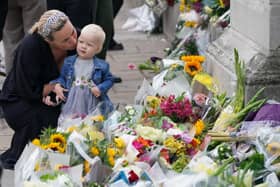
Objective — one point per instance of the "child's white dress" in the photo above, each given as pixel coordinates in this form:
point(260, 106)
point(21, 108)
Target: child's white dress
point(80, 100)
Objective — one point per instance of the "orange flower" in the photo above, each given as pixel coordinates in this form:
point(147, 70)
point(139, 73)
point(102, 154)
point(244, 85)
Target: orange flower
point(145, 143)
point(199, 127)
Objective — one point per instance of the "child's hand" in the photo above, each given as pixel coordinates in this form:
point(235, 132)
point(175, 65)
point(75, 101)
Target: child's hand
point(58, 90)
point(95, 91)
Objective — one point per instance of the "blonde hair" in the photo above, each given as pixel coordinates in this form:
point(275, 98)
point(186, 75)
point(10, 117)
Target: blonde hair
point(98, 34)
point(50, 22)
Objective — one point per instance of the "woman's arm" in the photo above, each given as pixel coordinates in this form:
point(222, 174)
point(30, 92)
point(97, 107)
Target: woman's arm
point(27, 70)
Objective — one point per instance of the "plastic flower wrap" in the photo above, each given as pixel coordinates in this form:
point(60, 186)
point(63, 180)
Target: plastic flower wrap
point(131, 175)
point(267, 143)
point(203, 163)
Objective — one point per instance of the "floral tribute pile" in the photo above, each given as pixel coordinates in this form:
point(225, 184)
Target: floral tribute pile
point(186, 138)
point(181, 131)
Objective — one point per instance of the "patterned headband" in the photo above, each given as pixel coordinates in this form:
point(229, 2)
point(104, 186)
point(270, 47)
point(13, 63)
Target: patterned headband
point(46, 30)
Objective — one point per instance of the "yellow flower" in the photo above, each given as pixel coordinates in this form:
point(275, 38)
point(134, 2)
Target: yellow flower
point(72, 128)
point(222, 3)
point(37, 166)
point(195, 58)
point(111, 152)
point(45, 147)
point(174, 66)
point(111, 161)
point(152, 101)
point(196, 141)
point(119, 143)
point(199, 127)
point(57, 166)
point(191, 24)
point(86, 166)
point(182, 7)
point(36, 142)
point(94, 151)
point(174, 145)
point(98, 118)
point(273, 148)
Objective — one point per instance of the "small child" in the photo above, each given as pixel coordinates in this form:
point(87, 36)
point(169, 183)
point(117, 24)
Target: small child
point(85, 78)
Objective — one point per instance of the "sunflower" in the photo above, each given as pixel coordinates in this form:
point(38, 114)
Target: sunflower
point(58, 138)
point(192, 68)
point(199, 127)
point(193, 58)
point(53, 146)
point(36, 142)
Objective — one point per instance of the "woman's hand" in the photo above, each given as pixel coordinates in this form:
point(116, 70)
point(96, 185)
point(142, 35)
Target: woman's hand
point(59, 91)
point(47, 101)
point(47, 89)
point(95, 91)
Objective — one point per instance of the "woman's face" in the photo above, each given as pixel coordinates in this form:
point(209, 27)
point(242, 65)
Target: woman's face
point(66, 38)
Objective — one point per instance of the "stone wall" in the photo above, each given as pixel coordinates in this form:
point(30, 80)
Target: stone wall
point(255, 32)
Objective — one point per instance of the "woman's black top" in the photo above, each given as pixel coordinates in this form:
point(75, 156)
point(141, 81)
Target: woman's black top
point(34, 66)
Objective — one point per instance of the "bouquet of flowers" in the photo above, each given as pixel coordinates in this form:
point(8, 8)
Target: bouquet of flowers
point(178, 109)
point(52, 140)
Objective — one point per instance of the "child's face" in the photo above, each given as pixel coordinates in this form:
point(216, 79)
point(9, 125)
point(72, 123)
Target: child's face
point(87, 47)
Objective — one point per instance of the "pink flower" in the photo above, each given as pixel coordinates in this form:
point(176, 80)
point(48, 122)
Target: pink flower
point(178, 109)
point(200, 99)
point(137, 145)
point(131, 66)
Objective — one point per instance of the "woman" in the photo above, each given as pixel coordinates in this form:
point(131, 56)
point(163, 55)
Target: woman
point(25, 95)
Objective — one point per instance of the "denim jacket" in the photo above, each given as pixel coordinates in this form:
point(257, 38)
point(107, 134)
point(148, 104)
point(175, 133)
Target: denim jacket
point(101, 76)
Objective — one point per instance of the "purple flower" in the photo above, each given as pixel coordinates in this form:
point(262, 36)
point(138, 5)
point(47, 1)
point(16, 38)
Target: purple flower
point(166, 125)
point(154, 59)
point(186, 138)
point(197, 6)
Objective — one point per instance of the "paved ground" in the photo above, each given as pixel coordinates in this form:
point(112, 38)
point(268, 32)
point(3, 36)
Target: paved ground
point(138, 48)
